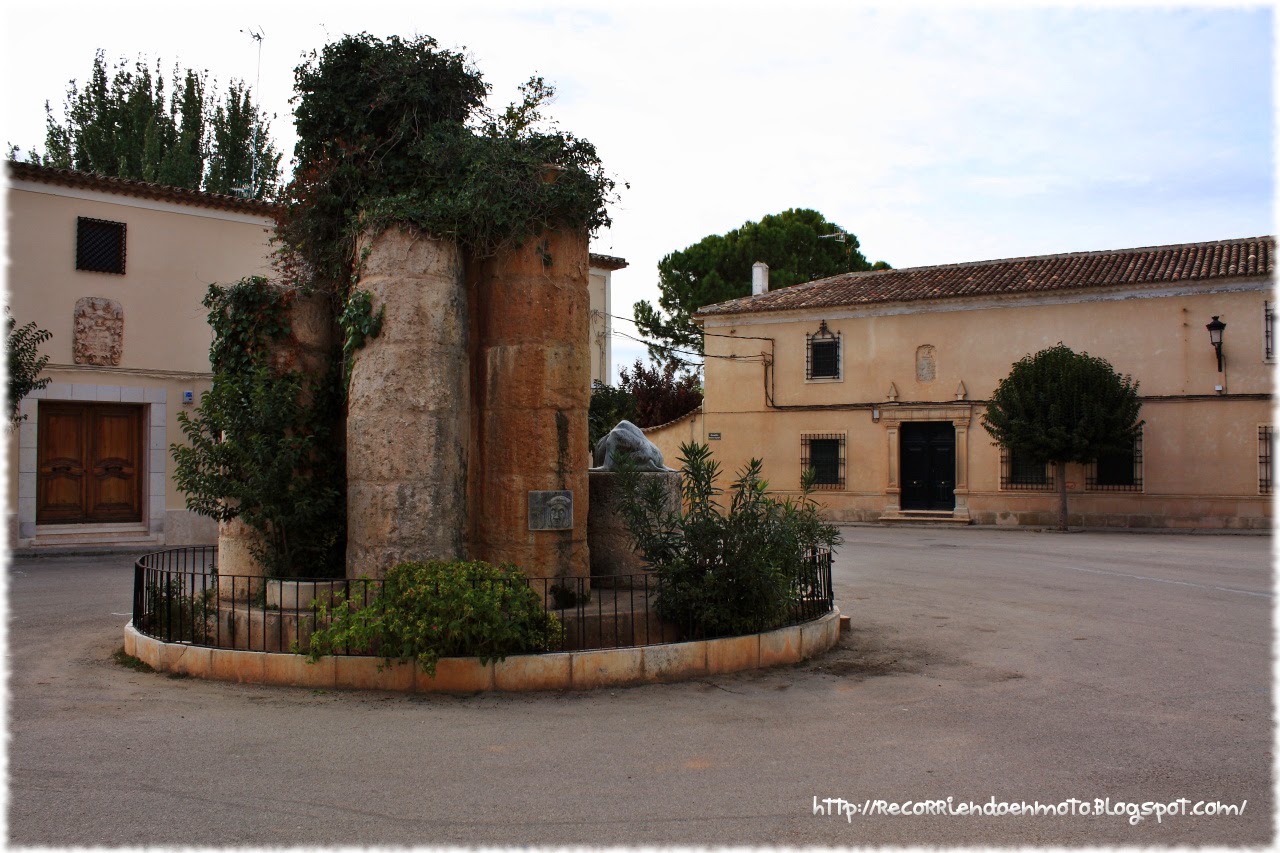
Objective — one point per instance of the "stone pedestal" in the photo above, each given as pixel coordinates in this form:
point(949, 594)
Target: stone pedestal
point(241, 576)
point(531, 381)
point(407, 404)
point(613, 555)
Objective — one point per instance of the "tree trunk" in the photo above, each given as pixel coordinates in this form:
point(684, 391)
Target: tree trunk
point(1060, 472)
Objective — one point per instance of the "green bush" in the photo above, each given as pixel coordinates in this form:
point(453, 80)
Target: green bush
point(428, 610)
point(725, 573)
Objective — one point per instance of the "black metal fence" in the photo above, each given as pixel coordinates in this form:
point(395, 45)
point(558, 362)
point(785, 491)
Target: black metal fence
point(180, 597)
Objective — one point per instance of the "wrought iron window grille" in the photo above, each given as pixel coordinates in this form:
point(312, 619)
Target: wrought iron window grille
point(100, 245)
point(1018, 474)
point(1266, 451)
point(822, 354)
point(1117, 472)
point(825, 454)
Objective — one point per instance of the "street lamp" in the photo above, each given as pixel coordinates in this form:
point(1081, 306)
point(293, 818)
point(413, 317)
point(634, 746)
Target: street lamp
point(1215, 327)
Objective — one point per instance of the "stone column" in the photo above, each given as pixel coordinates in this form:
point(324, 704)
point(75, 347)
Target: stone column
point(531, 379)
point(407, 404)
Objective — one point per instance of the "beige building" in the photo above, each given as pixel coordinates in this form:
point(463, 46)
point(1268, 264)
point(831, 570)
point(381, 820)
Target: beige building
point(116, 271)
point(878, 381)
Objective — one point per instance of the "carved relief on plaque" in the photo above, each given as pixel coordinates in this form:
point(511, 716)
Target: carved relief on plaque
point(99, 331)
point(551, 510)
point(926, 366)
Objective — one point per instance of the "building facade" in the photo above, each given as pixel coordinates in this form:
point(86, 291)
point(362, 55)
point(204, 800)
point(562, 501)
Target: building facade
point(116, 270)
point(879, 380)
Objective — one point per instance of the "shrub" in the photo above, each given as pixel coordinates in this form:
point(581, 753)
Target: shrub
point(609, 407)
point(725, 573)
point(661, 394)
point(428, 610)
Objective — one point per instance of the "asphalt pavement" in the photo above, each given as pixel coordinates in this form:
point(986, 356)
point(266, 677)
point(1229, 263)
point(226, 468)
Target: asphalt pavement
point(984, 667)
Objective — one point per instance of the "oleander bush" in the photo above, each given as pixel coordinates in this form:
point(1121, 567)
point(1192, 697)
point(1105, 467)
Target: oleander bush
point(428, 610)
point(725, 572)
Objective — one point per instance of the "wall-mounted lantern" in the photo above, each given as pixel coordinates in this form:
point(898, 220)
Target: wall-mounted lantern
point(1215, 327)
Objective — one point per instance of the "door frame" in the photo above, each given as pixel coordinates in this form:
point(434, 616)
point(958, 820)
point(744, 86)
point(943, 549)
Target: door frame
point(154, 402)
point(892, 416)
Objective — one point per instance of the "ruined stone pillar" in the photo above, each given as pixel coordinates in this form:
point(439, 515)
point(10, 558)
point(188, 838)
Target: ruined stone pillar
point(531, 379)
point(407, 408)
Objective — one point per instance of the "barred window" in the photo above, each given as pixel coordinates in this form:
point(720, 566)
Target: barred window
point(825, 455)
point(1266, 451)
point(1017, 473)
point(1268, 330)
point(1116, 472)
point(99, 245)
point(822, 354)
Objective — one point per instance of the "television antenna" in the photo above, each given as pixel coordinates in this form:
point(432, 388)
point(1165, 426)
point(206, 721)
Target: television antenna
point(248, 191)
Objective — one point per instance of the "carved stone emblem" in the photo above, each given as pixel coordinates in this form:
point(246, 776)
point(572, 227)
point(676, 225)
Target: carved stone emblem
point(99, 331)
point(551, 510)
point(926, 366)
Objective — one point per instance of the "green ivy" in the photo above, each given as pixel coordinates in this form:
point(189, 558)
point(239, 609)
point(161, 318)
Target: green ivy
point(428, 610)
point(261, 445)
point(358, 324)
point(397, 131)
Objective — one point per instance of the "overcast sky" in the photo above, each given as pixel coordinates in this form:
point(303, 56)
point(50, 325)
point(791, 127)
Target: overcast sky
point(934, 135)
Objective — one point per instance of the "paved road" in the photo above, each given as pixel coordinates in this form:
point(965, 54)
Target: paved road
point(1008, 664)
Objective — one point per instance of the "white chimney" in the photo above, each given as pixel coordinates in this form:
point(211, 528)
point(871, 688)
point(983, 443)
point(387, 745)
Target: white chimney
point(759, 278)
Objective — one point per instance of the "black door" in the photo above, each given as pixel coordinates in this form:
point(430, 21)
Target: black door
point(928, 466)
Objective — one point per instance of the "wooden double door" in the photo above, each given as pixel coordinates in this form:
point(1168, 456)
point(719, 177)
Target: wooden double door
point(89, 463)
point(928, 465)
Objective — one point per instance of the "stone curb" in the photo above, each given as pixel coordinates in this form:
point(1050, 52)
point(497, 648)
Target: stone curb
point(559, 671)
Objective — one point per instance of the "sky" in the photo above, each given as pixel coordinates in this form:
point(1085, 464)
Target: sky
point(934, 134)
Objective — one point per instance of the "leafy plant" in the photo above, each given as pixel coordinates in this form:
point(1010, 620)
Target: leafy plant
point(358, 324)
point(609, 406)
point(724, 572)
point(397, 131)
point(25, 364)
point(261, 445)
point(428, 610)
point(1059, 406)
point(662, 393)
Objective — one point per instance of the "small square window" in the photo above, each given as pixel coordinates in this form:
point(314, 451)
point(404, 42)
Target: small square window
point(100, 245)
point(825, 455)
point(822, 354)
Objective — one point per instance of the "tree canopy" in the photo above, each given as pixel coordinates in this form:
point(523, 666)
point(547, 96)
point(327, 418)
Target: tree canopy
point(25, 364)
point(123, 125)
point(1059, 406)
point(799, 245)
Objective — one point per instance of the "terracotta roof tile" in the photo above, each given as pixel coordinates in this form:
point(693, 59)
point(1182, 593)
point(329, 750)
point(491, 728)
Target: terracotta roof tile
point(1246, 257)
point(137, 189)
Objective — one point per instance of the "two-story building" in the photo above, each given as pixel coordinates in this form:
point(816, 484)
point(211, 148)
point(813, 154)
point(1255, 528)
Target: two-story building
point(878, 381)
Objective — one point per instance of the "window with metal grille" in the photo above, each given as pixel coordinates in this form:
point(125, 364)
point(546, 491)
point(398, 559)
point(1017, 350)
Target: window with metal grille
point(825, 455)
point(1116, 472)
point(822, 354)
point(1017, 473)
point(99, 245)
point(1266, 451)
point(1268, 330)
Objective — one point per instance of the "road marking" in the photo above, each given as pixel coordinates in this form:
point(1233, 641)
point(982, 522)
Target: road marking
point(1166, 580)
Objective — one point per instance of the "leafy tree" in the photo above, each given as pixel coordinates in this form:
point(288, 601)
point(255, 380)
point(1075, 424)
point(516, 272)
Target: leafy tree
point(1059, 406)
point(122, 124)
point(610, 406)
point(25, 364)
point(661, 393)
point(799, 245)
